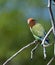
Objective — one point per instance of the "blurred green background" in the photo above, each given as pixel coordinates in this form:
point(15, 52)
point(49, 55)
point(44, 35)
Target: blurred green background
point(15, 33)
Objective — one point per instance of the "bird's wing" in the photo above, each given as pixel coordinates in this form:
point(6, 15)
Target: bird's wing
point(38, 30)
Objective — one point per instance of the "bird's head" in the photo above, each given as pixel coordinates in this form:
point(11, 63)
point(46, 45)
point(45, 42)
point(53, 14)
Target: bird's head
point(31, 22)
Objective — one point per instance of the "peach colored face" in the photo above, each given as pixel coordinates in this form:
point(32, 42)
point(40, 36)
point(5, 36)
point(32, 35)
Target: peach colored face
point(31, 22)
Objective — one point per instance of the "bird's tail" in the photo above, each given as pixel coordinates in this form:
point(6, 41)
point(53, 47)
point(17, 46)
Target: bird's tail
point(47, 41)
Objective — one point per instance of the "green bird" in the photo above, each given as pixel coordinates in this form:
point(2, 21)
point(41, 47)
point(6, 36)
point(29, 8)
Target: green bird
point(39, 33)
point(37, 30)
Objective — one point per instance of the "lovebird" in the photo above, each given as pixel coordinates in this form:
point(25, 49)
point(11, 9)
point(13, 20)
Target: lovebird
point(37, 30)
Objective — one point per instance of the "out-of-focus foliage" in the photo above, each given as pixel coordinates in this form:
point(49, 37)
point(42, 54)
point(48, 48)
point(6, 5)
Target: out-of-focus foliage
point(15, 33)
point(2, 1)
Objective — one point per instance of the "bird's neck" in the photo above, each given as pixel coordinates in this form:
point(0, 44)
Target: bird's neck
point(32, 24)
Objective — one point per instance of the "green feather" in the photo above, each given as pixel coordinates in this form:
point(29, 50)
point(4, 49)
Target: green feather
point(37, 31)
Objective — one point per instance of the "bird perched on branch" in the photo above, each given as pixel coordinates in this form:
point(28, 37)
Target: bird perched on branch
point(39, 33)
point(37, 30)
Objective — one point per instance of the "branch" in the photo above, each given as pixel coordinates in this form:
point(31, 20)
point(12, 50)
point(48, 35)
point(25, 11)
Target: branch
point(25, 47)
point(46, 35)
point(53, 25)
point(44, 51)
point(52, 20)
point(19, 52)
point(51, 16)
point(50, 61)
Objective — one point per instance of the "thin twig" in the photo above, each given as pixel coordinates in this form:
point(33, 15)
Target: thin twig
point(33, 50)
point(18, 52)
point(44, 52)
point(50, 61)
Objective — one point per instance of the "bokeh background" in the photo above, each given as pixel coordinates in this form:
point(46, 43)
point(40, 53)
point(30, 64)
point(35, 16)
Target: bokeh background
point(15, 33)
